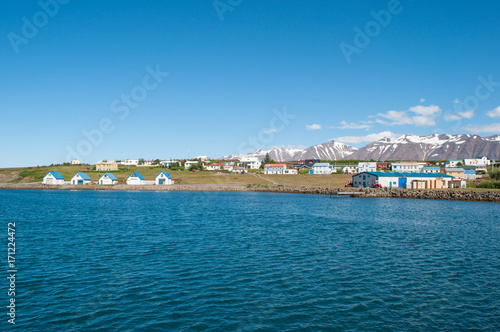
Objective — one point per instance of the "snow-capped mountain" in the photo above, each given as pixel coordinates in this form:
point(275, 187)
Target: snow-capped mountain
point(431, 147)
point(405, 147)
point(325, 151)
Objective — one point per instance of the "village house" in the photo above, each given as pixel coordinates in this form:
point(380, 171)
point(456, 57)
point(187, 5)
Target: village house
point(274, 168)
point(168, 163)
point(250, 162)
point(381, 165)
point(214, 167)
point(406, 166)
point(453, 162)
point(81, 178)
point(402, 180)
point(431, 169)
point(456, 172)
point(480, 163)
point(106, 165)
point(189, 163)
point(349, 169)
point(470, 173)
point(240, 170)
point(129, 162)
point(163, 178)
point(367, 167)
point(53, 177)
point(75, 162)
point(322, 168)
point(136, 179)
point(108, 178)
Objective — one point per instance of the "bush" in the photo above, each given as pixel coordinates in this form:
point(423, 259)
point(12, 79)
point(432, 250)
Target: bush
point(495, 175)
point(486, 185)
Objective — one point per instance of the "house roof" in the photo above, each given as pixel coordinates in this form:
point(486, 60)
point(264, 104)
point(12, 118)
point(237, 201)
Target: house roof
point(274, 165)
point(322, 164)
point(407, 174)
point(84, 176)
point(137, 174)
point(56, 175)
point(431, 167)
point(454, 169)
point(105, 162)
point(110, 175)
point(164, 173)
point(217, 165)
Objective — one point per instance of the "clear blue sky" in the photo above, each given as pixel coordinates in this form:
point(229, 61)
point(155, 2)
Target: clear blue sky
point(232, 66)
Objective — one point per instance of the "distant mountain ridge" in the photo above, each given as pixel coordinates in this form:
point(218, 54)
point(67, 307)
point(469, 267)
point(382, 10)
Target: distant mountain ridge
point(405, 147)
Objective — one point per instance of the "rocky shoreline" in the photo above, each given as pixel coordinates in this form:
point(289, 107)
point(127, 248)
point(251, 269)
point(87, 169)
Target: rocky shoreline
point(440, 194)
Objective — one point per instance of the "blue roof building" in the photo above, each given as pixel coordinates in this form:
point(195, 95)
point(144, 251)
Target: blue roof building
point(136, 179)
point(53, 177)
point(81, 178)
point(163, 178)
point(108, 178)
point(399, 180)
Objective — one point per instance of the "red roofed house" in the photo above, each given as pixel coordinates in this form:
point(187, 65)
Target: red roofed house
point(278, 169)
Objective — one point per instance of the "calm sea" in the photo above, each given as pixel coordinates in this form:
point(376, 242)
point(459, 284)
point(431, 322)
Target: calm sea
point(224, 261)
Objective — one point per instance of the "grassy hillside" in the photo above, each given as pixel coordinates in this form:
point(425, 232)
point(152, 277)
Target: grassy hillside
point(36, 174)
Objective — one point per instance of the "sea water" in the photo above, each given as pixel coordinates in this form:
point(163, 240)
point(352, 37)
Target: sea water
point(229, 261)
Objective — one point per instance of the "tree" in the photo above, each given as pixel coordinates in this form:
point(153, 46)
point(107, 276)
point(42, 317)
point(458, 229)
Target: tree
point(267, 160)
point(459, 164)
point(495, 175)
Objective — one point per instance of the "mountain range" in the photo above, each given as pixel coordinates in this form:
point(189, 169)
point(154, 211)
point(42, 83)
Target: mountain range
point(405, 147)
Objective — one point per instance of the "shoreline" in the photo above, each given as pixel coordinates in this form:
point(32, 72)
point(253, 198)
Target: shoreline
point(439, 194)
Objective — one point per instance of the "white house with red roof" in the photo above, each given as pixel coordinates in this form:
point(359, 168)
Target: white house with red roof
point(278, 169)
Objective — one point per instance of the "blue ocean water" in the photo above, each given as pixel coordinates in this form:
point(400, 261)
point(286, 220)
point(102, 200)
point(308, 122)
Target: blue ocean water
point(224, 261)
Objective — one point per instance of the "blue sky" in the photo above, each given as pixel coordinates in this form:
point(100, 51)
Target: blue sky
point(168, 79)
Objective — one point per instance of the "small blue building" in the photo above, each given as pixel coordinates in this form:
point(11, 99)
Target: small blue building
point(81, 178)
point(108, 178)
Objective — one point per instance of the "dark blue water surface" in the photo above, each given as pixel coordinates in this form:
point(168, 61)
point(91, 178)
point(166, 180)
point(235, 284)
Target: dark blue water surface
point(223, 261)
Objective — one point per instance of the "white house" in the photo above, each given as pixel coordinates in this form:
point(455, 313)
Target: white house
point(136, 179)
point(214, 167)
point(406, 166)
point(168, 163)
point(367, 167)
point(189, 163)
point(130, 162)
point(53, 178)
point(349, 169)
point(479, 163)
point(453, 162)
point(321, 168)
point(163, 178)
point(75, 162)
point(108, 178)
point(81, 178)
point(250, 162)
point(274, 168)
point(290, 171)
point(431, 169)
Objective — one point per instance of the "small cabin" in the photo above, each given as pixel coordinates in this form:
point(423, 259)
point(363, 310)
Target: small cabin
point(53, 178)
point(163, 178)
point(136, 179)
point(81, 178)
point(108, 178)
